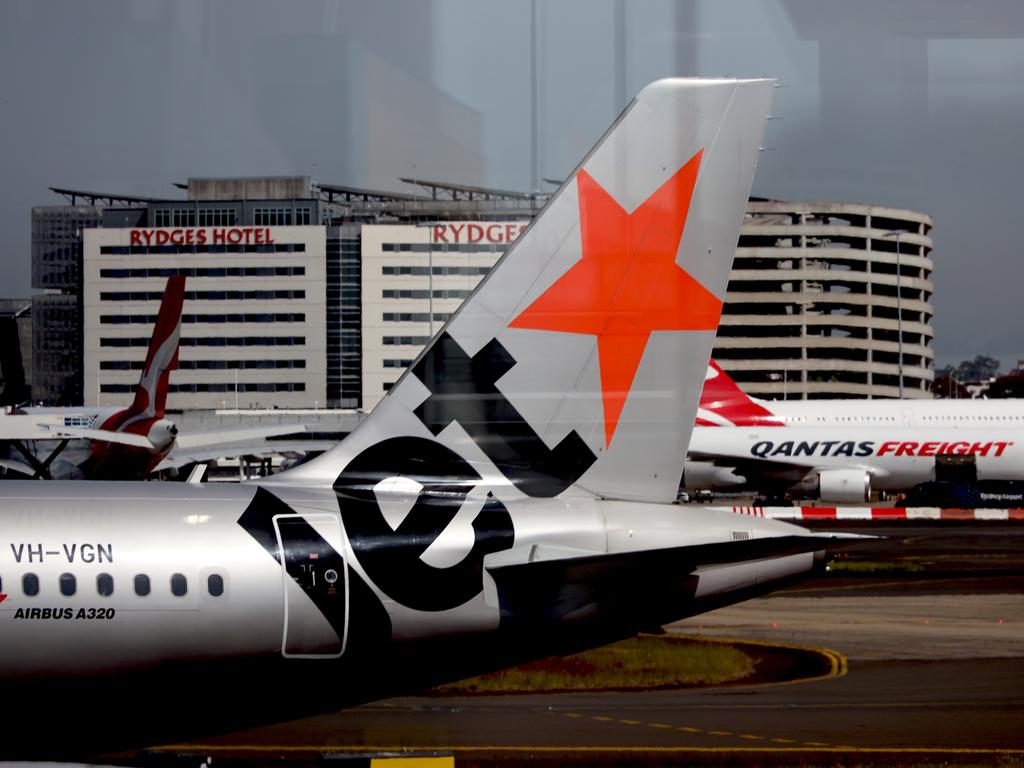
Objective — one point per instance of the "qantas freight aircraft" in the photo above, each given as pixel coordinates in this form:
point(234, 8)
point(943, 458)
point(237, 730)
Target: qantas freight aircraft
point(841, 450)
point(723, 403)
point(511, 495)
point(125, 443)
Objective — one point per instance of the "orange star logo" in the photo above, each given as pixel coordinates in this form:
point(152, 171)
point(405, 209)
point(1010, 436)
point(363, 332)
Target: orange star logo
point(627, 284)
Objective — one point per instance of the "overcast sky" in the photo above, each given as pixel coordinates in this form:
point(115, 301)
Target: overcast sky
point(911, 104)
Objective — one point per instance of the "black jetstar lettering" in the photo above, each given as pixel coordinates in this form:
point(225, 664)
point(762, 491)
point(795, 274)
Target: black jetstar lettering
point(391, 557)
point(304, 549)
point(463, 389)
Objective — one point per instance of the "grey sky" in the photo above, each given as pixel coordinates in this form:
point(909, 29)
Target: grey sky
point(912, 104)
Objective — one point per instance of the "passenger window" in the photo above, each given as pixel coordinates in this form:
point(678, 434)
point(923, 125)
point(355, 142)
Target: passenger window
point(105, 584)
point(179, 585)
point(215, 584)
point(30, 584)
point(67, 584)
point(141, 585)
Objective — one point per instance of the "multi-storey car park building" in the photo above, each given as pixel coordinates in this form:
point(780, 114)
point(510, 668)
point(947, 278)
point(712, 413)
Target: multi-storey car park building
point(57, 313)
point(345, 285)
point(15, 351)
point(830, 300)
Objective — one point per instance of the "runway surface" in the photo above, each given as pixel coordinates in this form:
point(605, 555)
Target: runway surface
point(946, 705)
point(941, 592)
point(935, 673)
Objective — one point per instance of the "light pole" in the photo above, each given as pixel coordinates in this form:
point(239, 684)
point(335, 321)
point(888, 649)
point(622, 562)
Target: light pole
point(899, 305)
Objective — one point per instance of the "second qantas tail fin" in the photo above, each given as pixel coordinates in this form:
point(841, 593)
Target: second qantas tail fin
point(162, 358)
point(724, 404)
point(141, 424)
point(577, 364)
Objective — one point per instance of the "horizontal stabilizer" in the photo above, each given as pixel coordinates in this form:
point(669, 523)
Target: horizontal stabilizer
point(647, 584)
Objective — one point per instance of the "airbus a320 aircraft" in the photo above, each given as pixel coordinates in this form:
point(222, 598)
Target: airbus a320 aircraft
point(510, 496)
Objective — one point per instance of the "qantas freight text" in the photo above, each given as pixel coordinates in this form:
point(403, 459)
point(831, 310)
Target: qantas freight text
point(767, 448)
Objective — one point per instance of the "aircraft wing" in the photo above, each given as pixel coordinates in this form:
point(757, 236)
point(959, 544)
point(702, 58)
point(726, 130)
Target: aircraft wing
point(179, 457)
point(19, 467)
point(106, 435)
point(34, 427)
point(788, 469)
point(193, 440)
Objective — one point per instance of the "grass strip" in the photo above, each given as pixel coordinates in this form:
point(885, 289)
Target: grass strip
point(645, 662)
point(874, 567)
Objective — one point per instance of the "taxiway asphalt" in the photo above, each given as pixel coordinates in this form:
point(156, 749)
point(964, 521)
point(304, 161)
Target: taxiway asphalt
point(935, 672)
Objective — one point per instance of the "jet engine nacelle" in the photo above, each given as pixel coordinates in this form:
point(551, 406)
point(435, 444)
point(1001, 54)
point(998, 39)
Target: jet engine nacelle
point(703, 475)
point(162, 433)
point(839, 485)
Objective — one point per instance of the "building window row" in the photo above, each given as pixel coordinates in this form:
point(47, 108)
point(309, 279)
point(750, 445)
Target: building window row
point(245, 365)
point(243, 341)
point(212, 341)
point(131, 250)
point(201, 295)
point(247, 317)
point(397, 363)
point(444, 247)
point(67, 584)
point(405, 341)
point(437, 293)
point(218, 217)
point(416, 317)
point(204, 272)
point(439, 270)
point(204, 365)
point(263, 386)
point(174, 217)
point(282, 217)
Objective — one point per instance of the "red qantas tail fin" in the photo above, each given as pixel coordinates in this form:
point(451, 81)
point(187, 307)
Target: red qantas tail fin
point(162, 358)
point(724, 404)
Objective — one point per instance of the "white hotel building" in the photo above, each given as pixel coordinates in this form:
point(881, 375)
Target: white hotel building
point(413, 279)
point(253, 320)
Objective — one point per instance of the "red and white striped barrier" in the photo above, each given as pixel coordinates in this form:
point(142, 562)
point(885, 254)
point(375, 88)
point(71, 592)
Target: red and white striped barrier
point(880, 513)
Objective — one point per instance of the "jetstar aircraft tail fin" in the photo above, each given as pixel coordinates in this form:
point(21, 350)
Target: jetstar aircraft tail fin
point(576, 365)
point(724, 404)
point(162, 358)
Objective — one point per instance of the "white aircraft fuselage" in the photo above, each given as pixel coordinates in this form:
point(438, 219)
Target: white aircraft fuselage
point(148, 574)
point(866, 458)
point(895, 413)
